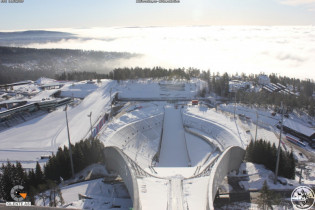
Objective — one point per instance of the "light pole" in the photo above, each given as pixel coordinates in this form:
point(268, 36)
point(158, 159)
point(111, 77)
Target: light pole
point(90, 115)
point(256, 125)
point(70, 150)
point(111, 103)
point(234, 102)
point(278, 153)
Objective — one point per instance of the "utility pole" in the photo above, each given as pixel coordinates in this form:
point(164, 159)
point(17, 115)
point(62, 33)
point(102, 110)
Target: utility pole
point(90, 116)
point(234, 102)
point(256, 126)
point(70, 150)
point(300, 179)
point(111, 103)
point(278, 153)
point(302, 167)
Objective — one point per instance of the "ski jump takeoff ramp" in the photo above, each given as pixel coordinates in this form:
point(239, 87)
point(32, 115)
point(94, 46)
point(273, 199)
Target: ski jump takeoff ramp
point(184, 187)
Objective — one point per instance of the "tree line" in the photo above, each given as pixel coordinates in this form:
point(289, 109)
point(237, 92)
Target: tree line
point(37, 181)
point(79, 76)
point(261, 152)
point(155, 72)
point(300, 102)
point(84, 153)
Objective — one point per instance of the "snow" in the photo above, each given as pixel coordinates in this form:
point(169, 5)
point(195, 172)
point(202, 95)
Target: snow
point(45, 81)
point(48, 132)
point(46, 94)
point(104, 195)
point(265, 119)
point(299, 156)
point(308, 174)
point(176, 194)
point(298, 127)
point(169, 172)
point(216, 126)
point(174, 149)
point(78, 89)
point(257, 174)
point(153, 193)
point(157, 89)
point(198, 149)
point(136, 130)
point(253, 206)
point(192, 191)
point(136, 133)
point(130, 116)
point(262, 133)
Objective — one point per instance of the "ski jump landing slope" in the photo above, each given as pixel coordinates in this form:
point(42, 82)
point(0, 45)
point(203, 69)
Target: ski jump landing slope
point(150, 189)
point(173, 150)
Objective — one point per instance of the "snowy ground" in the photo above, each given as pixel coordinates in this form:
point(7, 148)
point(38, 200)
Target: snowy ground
point(198, 149)
point(101, 196)
point(267, 129)
point(157, 89)
point(136, 130)
point(79, 89)
point(257, 174)
point(216, 126)
point(250, 206)
point(153, 193)
point(192, 190)
point(44, 134)
point(174, 151)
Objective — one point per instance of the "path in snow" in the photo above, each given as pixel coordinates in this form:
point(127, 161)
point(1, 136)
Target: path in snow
point(173, 150)
point(176, 198)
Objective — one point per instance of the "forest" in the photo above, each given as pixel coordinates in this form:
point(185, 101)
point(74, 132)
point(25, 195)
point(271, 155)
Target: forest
point(18, 64)
point(84, 153)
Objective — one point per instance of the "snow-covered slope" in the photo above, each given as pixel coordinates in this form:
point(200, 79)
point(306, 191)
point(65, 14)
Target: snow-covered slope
point(48, 132)
point(160, 89)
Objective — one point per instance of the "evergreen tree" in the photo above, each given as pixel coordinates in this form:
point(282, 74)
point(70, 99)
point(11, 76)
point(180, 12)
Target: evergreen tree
point(267, 198)
point(6, 182)
point(249, 152)
point(39, 174)
point(261, 152)
point(264, 200)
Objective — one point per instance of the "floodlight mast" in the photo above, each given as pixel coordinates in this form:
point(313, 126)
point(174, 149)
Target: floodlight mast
point(90, 116)
point(256, 126)
point(70, 150)
point(278, 153)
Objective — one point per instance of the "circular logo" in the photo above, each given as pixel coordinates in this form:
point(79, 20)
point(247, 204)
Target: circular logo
point(17, 193)
point(302, 197)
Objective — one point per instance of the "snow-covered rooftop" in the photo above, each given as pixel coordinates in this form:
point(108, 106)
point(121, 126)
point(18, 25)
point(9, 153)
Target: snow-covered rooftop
point(298, 127)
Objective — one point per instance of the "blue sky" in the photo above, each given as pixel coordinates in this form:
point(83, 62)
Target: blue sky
point(40, 14)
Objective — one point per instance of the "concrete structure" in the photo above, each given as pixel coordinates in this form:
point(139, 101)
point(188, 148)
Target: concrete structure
point(145, 182)
point(228, 161)
point(118, 162)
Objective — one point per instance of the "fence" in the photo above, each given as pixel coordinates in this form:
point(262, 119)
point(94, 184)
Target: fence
point(100, 124)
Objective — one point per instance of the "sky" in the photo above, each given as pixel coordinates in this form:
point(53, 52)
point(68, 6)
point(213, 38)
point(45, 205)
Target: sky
point(251, 36)
point(41, 14)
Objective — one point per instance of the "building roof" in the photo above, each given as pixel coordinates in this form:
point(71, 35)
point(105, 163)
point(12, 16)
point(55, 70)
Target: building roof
point(12, 101)
point(52, 84)
point(307, 131)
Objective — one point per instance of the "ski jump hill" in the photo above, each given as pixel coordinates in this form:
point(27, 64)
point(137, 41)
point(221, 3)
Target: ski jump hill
point(161, 169)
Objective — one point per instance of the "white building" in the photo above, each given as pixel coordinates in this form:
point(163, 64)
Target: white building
point(263, 79)
point(236, 85)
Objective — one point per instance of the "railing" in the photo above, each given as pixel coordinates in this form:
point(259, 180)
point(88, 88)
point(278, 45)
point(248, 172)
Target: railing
point(189, 160)
point(157, 155)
